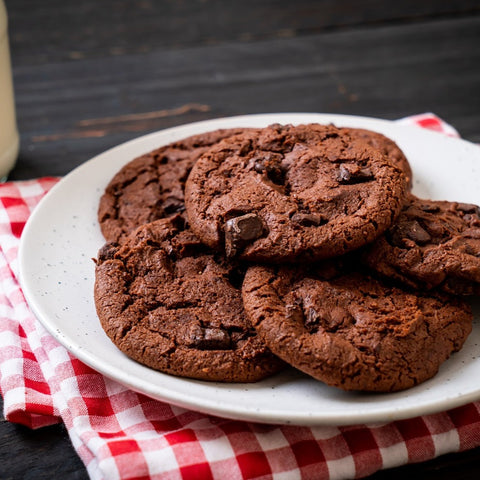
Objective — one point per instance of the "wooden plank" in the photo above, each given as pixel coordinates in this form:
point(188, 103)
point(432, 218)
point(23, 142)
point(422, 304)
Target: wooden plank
point(55, 30)
point(386, 72)
point(38, 454)
point(458, 466)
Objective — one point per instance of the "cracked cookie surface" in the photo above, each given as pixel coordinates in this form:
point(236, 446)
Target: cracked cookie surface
point(152, 186)
point(290, 193)
point(352, 331)
point(388, 147)
point(432, 245)
point(167, 302)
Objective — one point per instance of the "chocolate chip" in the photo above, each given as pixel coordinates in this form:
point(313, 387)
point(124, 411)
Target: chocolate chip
point(466, 245)
point(343, 175)
point(216, 338)
point(209, 339)
point(352, 174)
point(429, 208)
point(294, 311)
point(308, 219)
point(236, 276)
point(270, 165)
point(468, 208)
point(364, 174)
point(246, 147)
point(312, 320)
point(259, 165)
point(436, 229)
point(417, 233)
point(339, 317)
point(246, 227)
point(173, 205)
point(472, 219)
point(329, 321)
point(107, 252)
point(472, 233)
point(400, 235)
point(240, 231)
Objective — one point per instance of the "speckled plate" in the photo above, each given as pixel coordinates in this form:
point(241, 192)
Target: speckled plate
point(57, 276)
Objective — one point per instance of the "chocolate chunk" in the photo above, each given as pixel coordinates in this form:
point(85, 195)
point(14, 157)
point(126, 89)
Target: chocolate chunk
point(308, 219)
point(329, 320)
point(435, 229)
point(312, 316)
point(472, 218)
point(107, 252)
point(472, 233)
point(236, 275)
point(352, 174)
point(239, 231)
point(294, 311)
point(408, 230)
point(429, 208)
point(259, 166)
point(173, 205)
point(270, 165)
point(417, 233)
point(468, 208)
point(209, 338)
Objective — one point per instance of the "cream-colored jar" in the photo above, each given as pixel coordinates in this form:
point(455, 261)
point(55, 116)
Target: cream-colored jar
point(9, 141)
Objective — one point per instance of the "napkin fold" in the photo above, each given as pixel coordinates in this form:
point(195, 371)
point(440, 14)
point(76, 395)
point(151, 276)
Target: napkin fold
point(120, 434)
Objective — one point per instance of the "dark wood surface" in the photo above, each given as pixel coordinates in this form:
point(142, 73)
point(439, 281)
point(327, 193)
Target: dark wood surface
point(89, 75)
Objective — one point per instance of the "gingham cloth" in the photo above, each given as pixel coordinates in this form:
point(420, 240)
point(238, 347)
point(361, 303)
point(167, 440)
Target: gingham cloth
point(120, 434)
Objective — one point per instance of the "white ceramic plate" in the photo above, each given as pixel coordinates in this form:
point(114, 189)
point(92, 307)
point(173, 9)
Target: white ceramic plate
point(57, 276)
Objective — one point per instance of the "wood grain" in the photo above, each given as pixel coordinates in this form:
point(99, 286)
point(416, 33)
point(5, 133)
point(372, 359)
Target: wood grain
point(57, 30)
point(385, 71)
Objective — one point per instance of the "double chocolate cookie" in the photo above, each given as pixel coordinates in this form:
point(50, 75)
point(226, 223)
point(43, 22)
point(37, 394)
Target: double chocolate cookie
point(433, 244)
point(151, 186)
point(288, 193)
point(352, 331)
point(167, 302)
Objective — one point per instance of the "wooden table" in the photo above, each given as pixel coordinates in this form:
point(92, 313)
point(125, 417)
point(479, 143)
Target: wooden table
point(89, 75)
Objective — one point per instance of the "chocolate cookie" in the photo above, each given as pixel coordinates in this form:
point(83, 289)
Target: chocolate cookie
point(433, 244)
point(288, 192)
point(354, 332)
point(151, 186)
point(388, 147)
point(168, 303)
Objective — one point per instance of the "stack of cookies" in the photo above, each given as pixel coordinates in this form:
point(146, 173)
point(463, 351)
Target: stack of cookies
point(234, 254)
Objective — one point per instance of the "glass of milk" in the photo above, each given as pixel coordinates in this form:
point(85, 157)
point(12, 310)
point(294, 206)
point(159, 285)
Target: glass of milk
point(9, 140)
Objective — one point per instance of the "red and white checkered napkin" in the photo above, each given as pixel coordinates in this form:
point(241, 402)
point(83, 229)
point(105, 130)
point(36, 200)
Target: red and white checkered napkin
point(121, 434)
